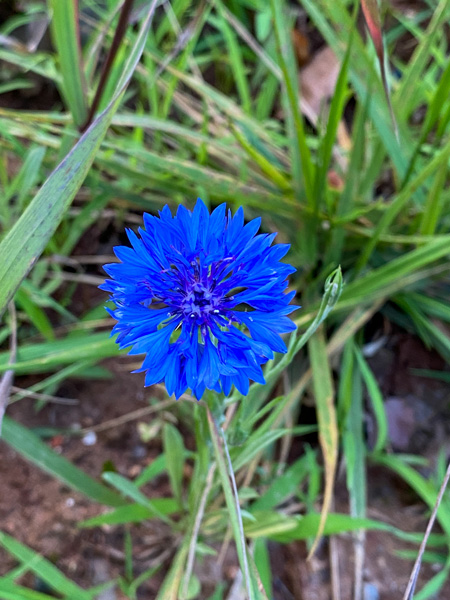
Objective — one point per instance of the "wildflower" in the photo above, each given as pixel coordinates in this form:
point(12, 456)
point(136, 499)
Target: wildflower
point(191, 289)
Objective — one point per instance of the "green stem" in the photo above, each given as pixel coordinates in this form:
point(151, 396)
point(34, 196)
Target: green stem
point(231, 497)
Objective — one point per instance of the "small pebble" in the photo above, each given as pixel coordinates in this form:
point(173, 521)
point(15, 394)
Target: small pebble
point(371, 592)
point(138, 451)
point(89, 439)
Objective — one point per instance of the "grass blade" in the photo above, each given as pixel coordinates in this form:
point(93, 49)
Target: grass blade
point(301, 157)
point(32, 448)
point(434, 203)
point(174, 452)
point(362, 73)
point(236, 60)
point(44, 569)
point(49, 356)
point(355, 458)
point(376, 398)
point(230, 492)
point(66, 37)
point(326, 414)
point(11, 591)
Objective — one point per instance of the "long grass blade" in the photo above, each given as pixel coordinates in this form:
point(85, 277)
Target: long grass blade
point(326, 415)
point(32, 448)
point(66, 37)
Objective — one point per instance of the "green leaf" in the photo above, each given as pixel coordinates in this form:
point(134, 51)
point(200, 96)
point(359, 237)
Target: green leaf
point(47, 356)
point(130, 490)
point(301, 156)
point(219, 444)
point(169, 589)
point(283, 486)
point(406, 93)
point(283, 528)
point(174, 452)
point(11, 591)
point(65, 31)
point(441, 375)
point(254, 445)
point(326, 414)
point(432, 212)
point(340, 96)
point(35, 313)
point(400, 202)
point(236, 61)
point(43, 569)
point(262, 562)
point(376, 398)
point(424, 488)
point(27, 177)
point(26, 443)
point(133, 513)
point(354, 446)
point(155, 468)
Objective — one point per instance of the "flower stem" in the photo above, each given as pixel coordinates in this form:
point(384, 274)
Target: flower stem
point(231, 497)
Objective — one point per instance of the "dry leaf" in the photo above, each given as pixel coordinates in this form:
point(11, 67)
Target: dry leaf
point(317, 84)
point(300, 44)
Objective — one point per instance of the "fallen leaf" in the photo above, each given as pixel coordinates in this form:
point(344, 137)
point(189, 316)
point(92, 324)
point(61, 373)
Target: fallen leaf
point(301, 47)
point(317, 84)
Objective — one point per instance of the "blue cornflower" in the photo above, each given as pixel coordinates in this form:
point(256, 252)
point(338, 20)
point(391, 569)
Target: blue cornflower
point(188, 287)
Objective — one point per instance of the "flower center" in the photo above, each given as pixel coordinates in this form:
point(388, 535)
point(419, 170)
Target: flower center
point(199, 302)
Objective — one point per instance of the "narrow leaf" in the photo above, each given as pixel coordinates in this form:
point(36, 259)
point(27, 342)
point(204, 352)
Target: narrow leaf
point(66, 37)
point(376, 398)
point(43, 569)
point(326, 414)
point(174, 452)
point(129, 489)
point(133, 513)
point(26, 443)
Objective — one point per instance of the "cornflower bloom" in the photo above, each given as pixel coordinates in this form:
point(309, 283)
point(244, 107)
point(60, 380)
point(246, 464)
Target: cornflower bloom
point(203, 297)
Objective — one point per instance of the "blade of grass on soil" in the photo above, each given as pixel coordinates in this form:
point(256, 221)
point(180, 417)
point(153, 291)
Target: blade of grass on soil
point(31, 447)
point(44, 569)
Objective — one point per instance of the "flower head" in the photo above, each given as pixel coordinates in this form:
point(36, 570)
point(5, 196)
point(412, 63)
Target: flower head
point(203, 297)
